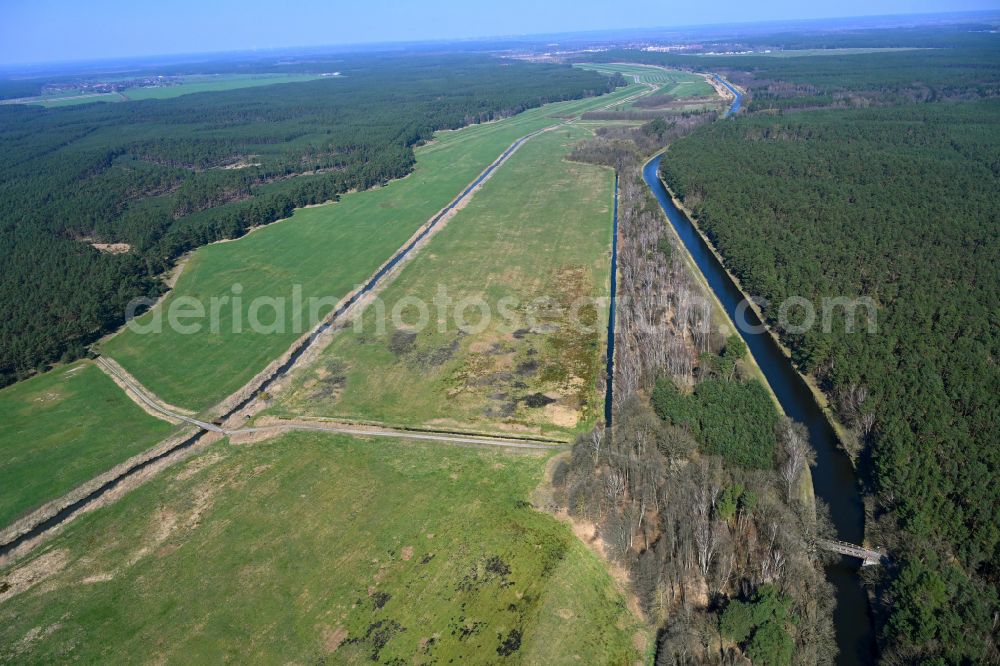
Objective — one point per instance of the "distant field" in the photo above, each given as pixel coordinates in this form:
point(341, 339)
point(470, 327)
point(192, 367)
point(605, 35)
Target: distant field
point(689, 86)
point(62, 428)
point(53, 101)
point(674, 82)
point(327, 250)
point(320, 549)
point(196, 84)
point(539, 229)
point(794, 53)
point(190, 84)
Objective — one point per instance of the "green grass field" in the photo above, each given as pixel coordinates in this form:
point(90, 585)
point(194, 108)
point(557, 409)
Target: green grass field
point(62, 428)
point(320, 549)
point(213, 83)
point(674, 82)
point(327, 250)
point(54, 101)
point(688, 86)
point(189, 85)
point(539, 229)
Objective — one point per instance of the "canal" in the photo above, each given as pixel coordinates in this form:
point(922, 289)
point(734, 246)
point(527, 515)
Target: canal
point(834, 478)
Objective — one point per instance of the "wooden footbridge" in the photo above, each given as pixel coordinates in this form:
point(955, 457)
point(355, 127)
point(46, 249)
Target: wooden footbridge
point(867, 556)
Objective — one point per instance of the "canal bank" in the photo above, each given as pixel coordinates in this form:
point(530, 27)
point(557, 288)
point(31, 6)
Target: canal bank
point(834, 479)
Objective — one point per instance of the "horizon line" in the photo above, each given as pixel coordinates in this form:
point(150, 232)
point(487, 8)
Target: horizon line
point(7, 68)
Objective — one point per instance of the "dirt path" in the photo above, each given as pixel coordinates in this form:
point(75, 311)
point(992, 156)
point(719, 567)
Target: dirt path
point(241, 406)
point(256, 433)
point(147, 400)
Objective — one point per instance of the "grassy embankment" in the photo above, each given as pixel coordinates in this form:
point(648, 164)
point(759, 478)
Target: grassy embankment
point(327, 250)
point(61, 429)
point(539, 229)
point(313, 547)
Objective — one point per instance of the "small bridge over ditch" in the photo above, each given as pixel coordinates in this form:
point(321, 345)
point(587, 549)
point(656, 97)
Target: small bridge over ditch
point(867, 556)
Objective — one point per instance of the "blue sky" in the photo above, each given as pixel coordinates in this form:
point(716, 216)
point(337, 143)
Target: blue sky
point(61, 30)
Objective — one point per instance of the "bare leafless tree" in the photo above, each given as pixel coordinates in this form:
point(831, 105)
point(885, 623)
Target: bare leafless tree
point(866, 422)
point(614, 485)
point(796, 452)
point(653, 494)
point(596, 439)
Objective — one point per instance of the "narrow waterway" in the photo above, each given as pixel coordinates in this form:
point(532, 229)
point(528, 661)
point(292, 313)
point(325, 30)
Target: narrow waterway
point(734, 108)
point(609, 394)
point(834, 480)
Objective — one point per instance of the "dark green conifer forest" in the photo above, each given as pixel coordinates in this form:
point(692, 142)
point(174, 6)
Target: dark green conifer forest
point(166, 176)
point(899, 203)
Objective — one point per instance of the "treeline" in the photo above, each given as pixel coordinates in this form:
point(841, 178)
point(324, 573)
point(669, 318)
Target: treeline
point(953, 66)
point(166, 176)
point(964, 33)
point(696, 488)
point(902, 206)
point(14, 88)
point(31, 80)
point(620, 146)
